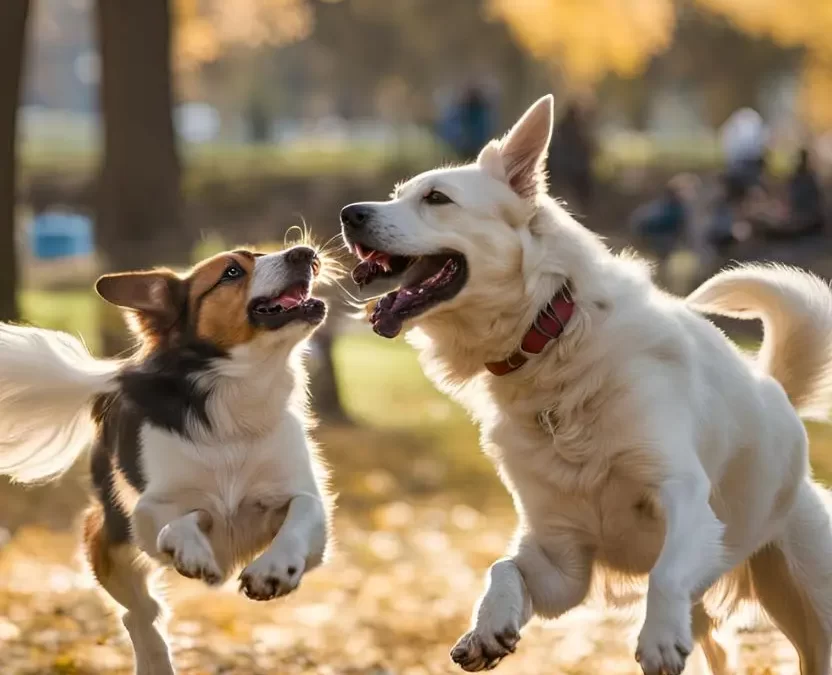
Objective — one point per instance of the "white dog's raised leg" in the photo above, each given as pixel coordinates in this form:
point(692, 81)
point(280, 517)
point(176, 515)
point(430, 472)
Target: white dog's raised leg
point(691, 560)
point(532, 581)
point(298, 547)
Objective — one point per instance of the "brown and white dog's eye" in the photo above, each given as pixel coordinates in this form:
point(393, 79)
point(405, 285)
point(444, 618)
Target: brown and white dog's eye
point(232, 273)
point(436, 198)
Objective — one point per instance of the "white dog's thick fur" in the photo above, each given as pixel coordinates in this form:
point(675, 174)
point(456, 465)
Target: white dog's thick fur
point(641, 442)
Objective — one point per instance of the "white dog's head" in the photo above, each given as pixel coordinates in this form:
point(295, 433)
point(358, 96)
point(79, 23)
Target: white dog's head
point(468, 241)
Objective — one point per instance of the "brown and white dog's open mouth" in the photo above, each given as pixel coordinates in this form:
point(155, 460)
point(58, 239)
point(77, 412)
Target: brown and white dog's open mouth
point(295, 303)
point(426, 281)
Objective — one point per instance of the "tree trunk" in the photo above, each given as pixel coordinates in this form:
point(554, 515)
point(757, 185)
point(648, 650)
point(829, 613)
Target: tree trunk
point(13, 14)
point(139, 208)
point(323, 385)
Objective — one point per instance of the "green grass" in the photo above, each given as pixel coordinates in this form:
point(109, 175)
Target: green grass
point(73, 312)
point(235, 162)
point(231, 164)
point(394, 393)
point(415, 429)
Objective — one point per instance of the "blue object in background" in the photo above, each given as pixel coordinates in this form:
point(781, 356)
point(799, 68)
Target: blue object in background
point(57, 234)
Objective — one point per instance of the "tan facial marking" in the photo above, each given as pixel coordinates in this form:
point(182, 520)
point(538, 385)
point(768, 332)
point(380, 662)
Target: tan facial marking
point(220, 308)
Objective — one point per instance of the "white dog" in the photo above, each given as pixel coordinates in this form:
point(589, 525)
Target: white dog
point(635, 438)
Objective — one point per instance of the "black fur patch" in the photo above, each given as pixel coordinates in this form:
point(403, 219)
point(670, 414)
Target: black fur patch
point(162, 387)
point(116, 449)
point(158, 391)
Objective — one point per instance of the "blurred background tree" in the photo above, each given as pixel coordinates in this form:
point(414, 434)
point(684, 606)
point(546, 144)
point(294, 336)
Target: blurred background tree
point(13, 14)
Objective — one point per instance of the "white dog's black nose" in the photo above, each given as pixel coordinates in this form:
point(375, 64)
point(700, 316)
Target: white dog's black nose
point(355, 215)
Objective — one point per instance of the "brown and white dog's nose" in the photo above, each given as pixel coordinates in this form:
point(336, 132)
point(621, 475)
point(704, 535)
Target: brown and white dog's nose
point(301, 255)
point(355, 216)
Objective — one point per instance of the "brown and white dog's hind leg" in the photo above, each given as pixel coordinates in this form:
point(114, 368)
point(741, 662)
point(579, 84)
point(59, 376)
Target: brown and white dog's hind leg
point(124, 573)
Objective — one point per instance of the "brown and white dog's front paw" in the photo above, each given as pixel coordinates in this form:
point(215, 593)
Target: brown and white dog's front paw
point(188, 550)
point(478, 650)
point(274, 574)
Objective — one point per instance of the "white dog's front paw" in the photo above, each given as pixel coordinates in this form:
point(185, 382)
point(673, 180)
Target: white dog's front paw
point(189, 551)
point(484, 649)
point(274, 574)
point(663, 647)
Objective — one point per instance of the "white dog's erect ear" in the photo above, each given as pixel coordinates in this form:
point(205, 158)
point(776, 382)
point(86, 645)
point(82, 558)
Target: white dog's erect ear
point(520, 157)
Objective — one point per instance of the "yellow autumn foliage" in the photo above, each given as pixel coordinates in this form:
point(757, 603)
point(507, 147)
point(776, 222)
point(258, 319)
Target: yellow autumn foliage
point(205, 28)
point(587, 39)
point(590, 38)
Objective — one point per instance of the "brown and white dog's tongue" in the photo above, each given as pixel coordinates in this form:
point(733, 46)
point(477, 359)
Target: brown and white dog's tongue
point(292, 297)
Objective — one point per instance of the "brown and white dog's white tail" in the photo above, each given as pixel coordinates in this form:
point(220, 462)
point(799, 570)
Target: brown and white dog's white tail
point(48, 381)
point(796, 310)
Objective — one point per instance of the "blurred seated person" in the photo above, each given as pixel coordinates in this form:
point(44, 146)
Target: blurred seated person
point(802, 212)
point(742, 191)
point(661, 223)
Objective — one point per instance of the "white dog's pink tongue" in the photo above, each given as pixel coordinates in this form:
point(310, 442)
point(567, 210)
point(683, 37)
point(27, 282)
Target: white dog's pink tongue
point(292, 298)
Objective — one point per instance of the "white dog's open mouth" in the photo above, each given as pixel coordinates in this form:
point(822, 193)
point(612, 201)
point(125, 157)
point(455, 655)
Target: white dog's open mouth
point(426, 281)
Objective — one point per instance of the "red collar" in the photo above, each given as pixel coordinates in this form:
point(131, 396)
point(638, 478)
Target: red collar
point(548, 326)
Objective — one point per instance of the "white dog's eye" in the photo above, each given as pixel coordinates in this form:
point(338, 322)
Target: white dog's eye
point(435, 198)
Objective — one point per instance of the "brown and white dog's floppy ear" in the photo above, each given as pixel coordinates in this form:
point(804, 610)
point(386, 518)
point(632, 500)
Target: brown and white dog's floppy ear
point(152, 293)
point(519, 158)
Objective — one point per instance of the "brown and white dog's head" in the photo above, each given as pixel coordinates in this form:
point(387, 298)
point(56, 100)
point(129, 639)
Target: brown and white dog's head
point(465, 240)
point(233, 299)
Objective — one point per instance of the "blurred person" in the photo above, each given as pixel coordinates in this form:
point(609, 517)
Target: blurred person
point(799, 214)
point(662, 223)
point(572, 152)
point(742, 191)
point(805, 214)
point(744, 140)
point(467, 122)
point(258, 121)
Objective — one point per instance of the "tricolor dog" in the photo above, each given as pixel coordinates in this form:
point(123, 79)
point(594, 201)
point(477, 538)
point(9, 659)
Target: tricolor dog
point(637, 440)
point(200, 457)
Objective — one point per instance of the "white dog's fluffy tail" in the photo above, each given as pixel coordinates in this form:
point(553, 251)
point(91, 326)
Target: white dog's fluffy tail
point(48, 381)
point(796, 310)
